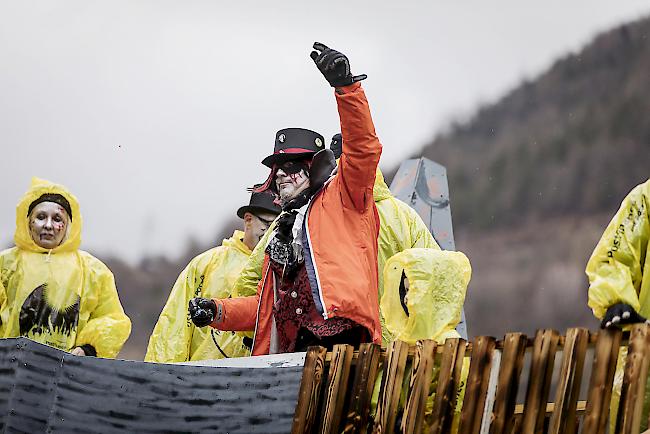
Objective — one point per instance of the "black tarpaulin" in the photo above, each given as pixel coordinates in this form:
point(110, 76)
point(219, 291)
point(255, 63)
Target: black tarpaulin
point(43, 389)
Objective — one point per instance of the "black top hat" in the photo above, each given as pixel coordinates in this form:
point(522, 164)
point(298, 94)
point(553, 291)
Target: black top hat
point(294, 144)
point(260, 202)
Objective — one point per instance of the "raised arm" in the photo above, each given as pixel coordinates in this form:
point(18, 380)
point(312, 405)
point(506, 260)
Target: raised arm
point(361, 147)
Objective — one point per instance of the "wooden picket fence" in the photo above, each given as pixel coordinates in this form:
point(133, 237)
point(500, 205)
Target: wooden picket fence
point(336, 389)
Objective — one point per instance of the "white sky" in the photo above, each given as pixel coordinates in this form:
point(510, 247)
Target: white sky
point(156, 114)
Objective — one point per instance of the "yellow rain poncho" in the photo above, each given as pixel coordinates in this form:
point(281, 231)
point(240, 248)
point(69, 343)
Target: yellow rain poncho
point(401, 228)
point(619, 271)
point(210, 275)
point(63, 297)
point(437, 284)
point(251, 273)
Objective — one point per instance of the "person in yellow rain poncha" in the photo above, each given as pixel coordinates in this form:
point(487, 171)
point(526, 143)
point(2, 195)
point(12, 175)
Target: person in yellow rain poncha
point(211, 274)
point(424, 293)
point(52, 292)
point(619, 277)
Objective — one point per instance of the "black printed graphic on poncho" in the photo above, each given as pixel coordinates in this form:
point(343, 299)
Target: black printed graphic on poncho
point(38, 317)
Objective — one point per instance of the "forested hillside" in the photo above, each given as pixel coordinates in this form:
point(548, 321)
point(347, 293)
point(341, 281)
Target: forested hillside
point(573, 141)
point(536, 177)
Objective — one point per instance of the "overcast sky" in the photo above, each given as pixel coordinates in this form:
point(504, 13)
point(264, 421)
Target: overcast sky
point(156, 114)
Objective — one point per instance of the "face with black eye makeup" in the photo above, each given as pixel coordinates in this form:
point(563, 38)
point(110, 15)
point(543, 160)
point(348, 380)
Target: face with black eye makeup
point(48, 223)
point(291, 179)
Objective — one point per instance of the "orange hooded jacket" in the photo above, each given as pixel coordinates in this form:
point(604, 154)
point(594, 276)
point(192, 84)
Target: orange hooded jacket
point(340, 230)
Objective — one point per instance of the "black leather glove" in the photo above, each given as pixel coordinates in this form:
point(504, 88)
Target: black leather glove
point(337, 145)
point(620, 314)
point(334, 65)
point(202, 311)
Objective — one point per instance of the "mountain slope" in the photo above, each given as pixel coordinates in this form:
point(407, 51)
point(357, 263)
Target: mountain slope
point(573, 141)
point(535, 178)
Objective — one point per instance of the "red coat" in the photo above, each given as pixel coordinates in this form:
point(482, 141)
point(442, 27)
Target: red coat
point(341, 229)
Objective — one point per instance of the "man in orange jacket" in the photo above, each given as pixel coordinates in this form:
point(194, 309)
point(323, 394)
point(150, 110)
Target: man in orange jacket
point(319, 281)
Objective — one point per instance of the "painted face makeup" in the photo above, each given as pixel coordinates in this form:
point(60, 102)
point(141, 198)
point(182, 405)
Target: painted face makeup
point(291, 179)
point(48, 223)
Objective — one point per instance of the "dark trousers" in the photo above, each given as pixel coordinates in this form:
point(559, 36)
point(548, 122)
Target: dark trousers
point(354, 336)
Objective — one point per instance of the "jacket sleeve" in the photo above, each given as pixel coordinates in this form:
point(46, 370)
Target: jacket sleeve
point(108, 327)
point(238, 313)
point(361, 147)
point(615, 269)
point(172, 336)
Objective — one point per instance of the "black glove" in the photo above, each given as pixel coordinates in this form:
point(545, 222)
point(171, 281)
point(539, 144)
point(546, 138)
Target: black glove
point(202, 311)
point(337, 145)
point(619, 315)
point(334, 66)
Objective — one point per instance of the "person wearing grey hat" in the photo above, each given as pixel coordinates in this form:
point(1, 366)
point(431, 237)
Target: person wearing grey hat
point(210, 274)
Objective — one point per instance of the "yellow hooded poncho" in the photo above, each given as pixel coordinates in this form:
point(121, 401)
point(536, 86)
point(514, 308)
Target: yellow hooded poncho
point(210, 275)
point(437, 285)
point(401, 228)
point(63, 297)
point(619, 269)
point(619, 272)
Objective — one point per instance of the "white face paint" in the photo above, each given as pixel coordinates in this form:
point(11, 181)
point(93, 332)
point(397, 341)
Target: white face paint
point(48, 223)
point(290, 183)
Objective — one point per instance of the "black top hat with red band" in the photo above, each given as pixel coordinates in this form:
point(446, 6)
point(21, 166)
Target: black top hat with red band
point(294, 144)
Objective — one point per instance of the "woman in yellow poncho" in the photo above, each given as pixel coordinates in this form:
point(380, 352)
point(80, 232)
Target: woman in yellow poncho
point(52, 292)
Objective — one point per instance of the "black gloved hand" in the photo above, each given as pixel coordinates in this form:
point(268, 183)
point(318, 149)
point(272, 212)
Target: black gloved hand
point(337, 145)
point(202, 311)
point(620, 314)
point(334, 65)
